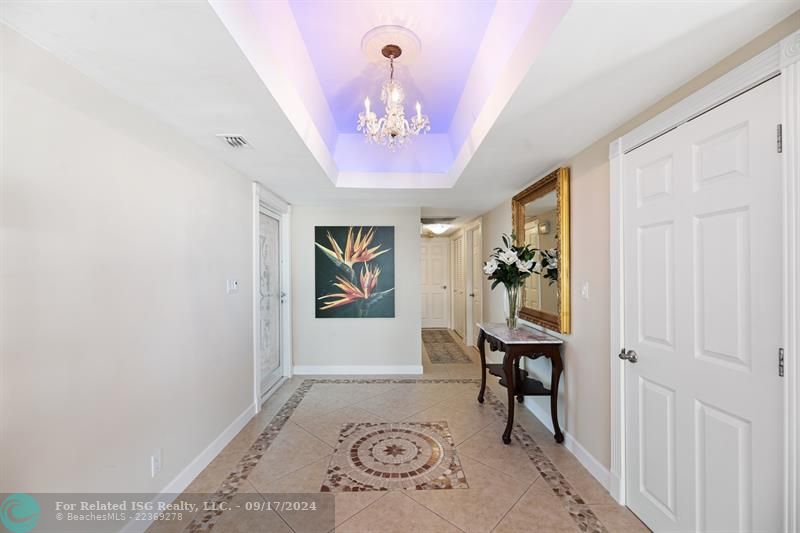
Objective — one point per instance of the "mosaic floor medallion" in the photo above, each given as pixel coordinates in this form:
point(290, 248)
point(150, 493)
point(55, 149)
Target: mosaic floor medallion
point(389, 456)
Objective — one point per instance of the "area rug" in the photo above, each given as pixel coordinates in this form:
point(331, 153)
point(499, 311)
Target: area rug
point(442, 348)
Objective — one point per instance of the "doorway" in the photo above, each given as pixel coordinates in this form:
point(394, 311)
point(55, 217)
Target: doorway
point(270, 299)
point(272, 312)
point(703, 290)
point(459, 286)
point(475, 278)
point(435, 281)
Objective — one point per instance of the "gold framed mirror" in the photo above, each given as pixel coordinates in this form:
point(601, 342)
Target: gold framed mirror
point(540, 218)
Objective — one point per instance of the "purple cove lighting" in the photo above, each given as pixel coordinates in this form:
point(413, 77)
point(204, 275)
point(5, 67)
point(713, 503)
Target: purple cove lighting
point(473, 56)
point(451, 35)
point(422, 154)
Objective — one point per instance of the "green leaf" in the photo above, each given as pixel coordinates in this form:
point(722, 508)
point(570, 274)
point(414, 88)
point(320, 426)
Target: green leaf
point(377, 296)
point(332, 256)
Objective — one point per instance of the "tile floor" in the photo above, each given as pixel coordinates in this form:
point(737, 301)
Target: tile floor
point(305, 427)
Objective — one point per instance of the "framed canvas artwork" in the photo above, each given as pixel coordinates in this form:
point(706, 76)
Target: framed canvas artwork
point(354, 271)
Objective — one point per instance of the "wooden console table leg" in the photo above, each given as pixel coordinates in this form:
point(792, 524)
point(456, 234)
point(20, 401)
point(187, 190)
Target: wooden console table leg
point(482, 350)
point(509, 370)
point(558, 367)
point(520, 397)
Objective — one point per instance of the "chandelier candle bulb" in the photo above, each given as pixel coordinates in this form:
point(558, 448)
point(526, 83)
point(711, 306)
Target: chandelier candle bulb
point(366, 104)
point(419, 111)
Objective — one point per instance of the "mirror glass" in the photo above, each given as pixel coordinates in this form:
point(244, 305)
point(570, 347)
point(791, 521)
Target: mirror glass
point(540, 232)
point(540, 218)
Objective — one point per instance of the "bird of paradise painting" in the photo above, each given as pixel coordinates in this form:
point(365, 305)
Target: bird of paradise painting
point(354, 268)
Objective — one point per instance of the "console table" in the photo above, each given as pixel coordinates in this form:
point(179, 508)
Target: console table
point(518, 343)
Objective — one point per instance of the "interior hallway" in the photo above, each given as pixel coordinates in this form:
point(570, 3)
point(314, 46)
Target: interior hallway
point(533, 484)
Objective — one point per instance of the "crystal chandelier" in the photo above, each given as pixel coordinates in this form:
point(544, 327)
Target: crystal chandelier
point(392, 130)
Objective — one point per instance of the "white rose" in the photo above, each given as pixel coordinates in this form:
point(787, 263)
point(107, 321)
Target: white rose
point(524, 266)
point(508, 256)
point(490, 266)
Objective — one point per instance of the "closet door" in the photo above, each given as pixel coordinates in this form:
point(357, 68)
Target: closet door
point(477, 283)
point(459, 287)
point(702, 219)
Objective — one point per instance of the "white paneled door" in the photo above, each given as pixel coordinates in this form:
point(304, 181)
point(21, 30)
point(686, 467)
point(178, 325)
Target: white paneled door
point(269, 297)
point(476, 288)
point(703, 313)
point(459, 287)
point(435, 275)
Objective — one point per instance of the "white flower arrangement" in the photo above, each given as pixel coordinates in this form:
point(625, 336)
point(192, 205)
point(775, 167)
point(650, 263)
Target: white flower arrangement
point(511, 265)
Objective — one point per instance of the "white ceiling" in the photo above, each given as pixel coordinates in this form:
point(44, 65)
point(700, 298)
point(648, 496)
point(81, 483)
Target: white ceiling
point(604, 63)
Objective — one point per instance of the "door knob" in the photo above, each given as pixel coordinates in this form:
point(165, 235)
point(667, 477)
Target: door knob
point(444, 286)
point(472, 295)
point(629, 355)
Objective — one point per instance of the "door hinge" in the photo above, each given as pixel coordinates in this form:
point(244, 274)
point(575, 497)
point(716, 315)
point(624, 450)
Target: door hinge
point(780, 138)
point(780, 362)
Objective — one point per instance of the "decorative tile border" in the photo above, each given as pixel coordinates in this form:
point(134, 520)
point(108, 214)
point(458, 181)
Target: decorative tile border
point(578, 509)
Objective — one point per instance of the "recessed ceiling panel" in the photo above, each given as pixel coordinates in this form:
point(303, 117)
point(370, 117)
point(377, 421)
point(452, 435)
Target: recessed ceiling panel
point(543, 84)
point(450, 34)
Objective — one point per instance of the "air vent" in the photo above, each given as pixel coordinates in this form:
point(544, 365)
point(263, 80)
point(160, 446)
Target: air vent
point(437, 220)
point(234, 141)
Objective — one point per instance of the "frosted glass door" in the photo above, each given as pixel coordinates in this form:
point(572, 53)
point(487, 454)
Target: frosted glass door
point(269, 294)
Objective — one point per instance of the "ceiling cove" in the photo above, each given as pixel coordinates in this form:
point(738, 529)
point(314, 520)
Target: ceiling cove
point(316, 59)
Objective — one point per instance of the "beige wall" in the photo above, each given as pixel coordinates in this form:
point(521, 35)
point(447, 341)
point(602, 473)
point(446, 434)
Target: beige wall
point(117, 335)
point(362, 342)
point(494, 224)
point(585, 402)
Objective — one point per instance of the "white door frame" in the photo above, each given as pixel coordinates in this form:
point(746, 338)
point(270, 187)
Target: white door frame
point(264, 200)
point(460, 233)
point(782, 59)
point(469, 234)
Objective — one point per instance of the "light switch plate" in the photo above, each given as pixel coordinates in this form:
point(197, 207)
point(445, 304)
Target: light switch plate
point(155, 463)
point(232, 286)
point(585, 290)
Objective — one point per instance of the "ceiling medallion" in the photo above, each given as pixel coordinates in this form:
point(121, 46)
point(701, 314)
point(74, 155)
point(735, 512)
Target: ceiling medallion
point(391, 130)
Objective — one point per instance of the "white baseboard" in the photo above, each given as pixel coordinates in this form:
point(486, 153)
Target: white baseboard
point(615, 488)
point(316, 370)
point(193, 469)
point(595, 467)
point(277, 385)
point(539, 412)
point(589, 462)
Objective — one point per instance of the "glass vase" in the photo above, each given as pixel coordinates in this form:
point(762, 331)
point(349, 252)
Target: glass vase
point(512, 291)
